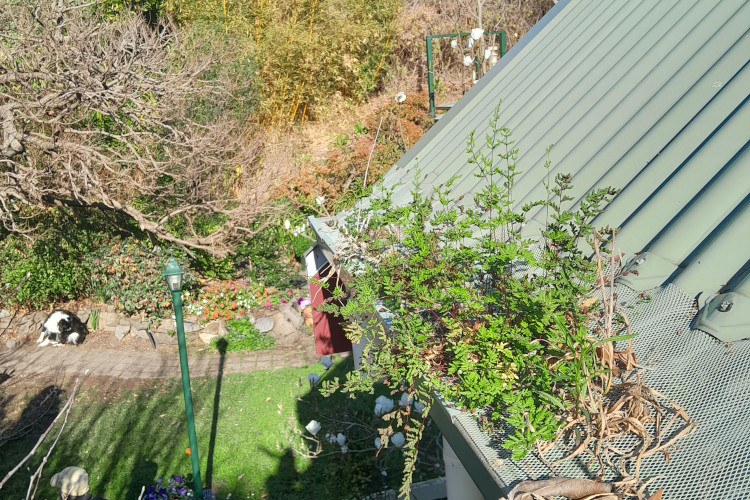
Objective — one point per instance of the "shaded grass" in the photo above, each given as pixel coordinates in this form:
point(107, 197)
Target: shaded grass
point(125, 440)
point(128, 440)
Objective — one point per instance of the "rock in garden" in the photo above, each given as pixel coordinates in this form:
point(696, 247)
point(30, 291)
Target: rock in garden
point(207, 337)
point(24, 328)
point(12, 344)
point(83, 315)
point(290, 338)
point(107, 318)
point(166, 325)
point(292, 314)
point(39, 317)
point(4, 313)
point(165, 339)
point(264, 325)
point(217, 327)
point(191, 326)
point(136, 324)
point(283, 325)
point(121, 331)
point(140, 333)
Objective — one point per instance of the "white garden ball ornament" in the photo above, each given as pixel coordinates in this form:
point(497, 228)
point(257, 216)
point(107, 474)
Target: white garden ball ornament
point(398, 439)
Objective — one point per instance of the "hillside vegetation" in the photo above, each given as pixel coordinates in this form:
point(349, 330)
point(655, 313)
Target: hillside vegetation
point(208, 129)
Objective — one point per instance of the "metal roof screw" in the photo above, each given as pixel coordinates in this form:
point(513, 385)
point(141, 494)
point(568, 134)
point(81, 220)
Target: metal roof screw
point(725, 306)
point(640, 261)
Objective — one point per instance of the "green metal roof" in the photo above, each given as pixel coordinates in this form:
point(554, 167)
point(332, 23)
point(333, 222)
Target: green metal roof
point(650, 98)
point(647, 97)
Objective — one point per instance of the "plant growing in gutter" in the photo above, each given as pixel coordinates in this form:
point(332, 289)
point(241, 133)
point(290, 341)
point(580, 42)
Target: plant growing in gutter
point(492, 321)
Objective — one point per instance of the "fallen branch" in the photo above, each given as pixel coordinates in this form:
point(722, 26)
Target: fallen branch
point(562, 487)
point(65, 410)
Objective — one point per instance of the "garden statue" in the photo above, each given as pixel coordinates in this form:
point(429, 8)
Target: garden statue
point(72, 483)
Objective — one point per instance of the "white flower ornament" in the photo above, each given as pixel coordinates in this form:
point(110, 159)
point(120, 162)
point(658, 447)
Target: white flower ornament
point(383, 405)
point(400, 97)
point(468, 61)
point(476, 33)
point(313, 427)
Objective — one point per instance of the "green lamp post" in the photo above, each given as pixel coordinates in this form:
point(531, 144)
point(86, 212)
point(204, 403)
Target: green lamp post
point(173, 276)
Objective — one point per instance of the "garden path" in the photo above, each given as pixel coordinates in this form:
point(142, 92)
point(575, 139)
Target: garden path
point(148, 365)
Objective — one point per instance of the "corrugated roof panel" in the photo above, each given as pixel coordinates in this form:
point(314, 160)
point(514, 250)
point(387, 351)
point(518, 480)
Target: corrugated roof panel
point(649, 98)
point(727, 192)
point(675, 184)
point(720, 258)
point(691, 91)
point(657, 102)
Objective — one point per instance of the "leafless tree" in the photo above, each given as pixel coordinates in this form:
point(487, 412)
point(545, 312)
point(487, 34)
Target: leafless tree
point(118, 115)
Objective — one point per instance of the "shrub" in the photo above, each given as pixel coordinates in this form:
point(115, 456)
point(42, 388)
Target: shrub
point(54, 266)
point(242, 336)
point(267, 259)
point(513, 343)
point(128, 273)
point(226, 299)
point(355, 163)
point(305, 52)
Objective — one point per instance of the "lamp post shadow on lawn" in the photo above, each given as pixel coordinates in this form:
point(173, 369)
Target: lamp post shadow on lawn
point(222, 347)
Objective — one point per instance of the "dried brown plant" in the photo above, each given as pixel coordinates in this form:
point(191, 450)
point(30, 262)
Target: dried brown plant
point(109, 114)
point(624, 420)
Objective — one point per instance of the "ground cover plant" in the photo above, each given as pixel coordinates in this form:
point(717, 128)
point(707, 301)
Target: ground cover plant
point(501, 324)
point(242, 336)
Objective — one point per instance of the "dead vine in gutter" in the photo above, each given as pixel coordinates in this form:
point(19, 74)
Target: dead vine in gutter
point(623, 423)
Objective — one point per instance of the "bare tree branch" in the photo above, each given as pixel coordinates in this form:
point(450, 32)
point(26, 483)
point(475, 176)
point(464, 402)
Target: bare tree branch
point(65, 410)
point(113, 115)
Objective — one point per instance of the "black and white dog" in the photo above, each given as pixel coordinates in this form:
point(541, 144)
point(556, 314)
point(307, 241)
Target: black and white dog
point(62, 326)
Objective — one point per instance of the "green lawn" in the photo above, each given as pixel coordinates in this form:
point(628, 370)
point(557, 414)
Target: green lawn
point(126, 441)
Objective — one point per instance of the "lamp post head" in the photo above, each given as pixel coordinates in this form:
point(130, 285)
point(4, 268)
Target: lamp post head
point(173, 275)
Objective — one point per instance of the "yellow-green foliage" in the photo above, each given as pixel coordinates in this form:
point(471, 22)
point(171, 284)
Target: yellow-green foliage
point(305, 51)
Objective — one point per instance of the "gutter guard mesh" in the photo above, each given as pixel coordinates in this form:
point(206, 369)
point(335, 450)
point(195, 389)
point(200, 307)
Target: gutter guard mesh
point(709, 379)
